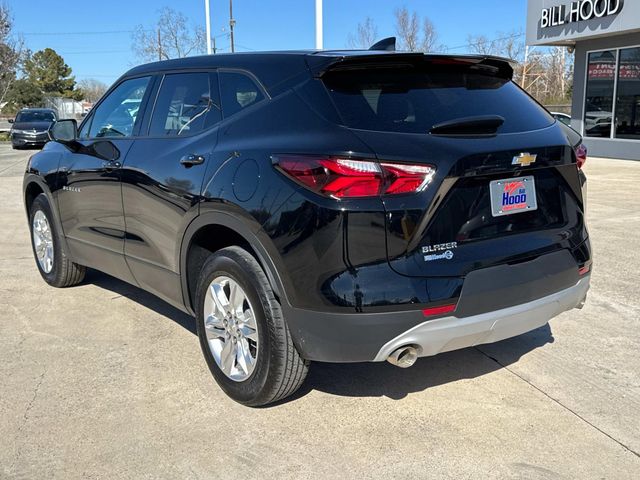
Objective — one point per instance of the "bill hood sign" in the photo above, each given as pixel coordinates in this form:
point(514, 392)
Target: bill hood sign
point(563, 22)
point(577, 11)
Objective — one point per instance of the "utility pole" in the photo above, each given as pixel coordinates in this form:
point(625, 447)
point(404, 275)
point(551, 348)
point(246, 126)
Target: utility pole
point(215, 50)
point(524, 67)
point(318, 24)
point(159, 46)
point(563, 65)
point(208, 23)
point(232, 23)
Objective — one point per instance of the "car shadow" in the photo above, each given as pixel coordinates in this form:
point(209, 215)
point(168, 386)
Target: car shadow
point(368, 379)
point(141, 297)
point(386, 380)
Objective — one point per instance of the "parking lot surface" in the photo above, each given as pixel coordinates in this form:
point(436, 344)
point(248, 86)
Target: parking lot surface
point(105, 381)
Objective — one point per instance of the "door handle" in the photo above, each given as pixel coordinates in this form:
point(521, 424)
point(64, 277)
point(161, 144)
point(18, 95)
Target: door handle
point(190, 160)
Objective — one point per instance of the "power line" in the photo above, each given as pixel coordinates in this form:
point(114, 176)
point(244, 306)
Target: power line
point(514, 35)
point(105, 32)
point(96, 52)
point(245, 47)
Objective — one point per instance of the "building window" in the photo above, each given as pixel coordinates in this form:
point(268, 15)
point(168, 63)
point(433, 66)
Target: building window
point(628, 94)
point(599, 94)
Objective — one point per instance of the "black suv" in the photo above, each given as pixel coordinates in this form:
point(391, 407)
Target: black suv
point(30, 127)
point(331, 206)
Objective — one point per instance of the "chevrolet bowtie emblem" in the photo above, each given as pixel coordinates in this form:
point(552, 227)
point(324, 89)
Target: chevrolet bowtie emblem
point(524, 159)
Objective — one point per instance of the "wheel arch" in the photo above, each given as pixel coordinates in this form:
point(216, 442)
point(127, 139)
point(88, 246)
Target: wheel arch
point(31, 191)
point(212, 231)
point(34, 185)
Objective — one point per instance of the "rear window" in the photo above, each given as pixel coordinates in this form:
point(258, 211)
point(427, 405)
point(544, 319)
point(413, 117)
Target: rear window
point(412, 101)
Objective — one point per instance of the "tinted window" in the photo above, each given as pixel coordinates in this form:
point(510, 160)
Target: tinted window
point(35, 117)
point(599, 98)
point(183, 105)
point(237, 91)
point(84, 128)
point(116, 115)
point(628, 102)
point(403, 100)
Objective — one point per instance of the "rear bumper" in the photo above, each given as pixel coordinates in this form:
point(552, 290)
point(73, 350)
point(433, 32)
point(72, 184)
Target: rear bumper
point(495, 303)
point(452, 333)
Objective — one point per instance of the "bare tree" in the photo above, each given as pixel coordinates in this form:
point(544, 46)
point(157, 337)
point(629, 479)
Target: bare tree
point(510, 45)
point(170, 37)
point(12, 52)
point(546, 73)
point(429, 36)
point(409, 35)
point(92, 89)
point(366, 35)
point(407, 29)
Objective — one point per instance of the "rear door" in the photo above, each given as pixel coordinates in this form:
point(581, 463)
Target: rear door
point(481, 132)
point(90, 197)
point(162, 177)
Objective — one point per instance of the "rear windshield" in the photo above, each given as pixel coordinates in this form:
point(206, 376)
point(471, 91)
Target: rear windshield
point(412, 101)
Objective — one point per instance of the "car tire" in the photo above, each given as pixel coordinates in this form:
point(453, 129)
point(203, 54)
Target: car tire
point(56, 267)
point(278, 369)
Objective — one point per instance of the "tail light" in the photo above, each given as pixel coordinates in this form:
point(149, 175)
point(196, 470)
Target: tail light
point(584, 270)
point(427, 312)
point(346, 178)
point(581, 155)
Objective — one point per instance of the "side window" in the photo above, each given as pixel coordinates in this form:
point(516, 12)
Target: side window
point(237, 91)
point(183, 105)
point(84, 130)
point(116, 115)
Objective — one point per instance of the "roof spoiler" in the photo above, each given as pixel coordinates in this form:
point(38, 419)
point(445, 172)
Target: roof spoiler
point(386, 44)
point(321, 64)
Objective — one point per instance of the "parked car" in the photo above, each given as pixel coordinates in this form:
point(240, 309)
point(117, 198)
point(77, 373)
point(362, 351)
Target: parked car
point(334, 206)
point(562, 117)
point(30, 127)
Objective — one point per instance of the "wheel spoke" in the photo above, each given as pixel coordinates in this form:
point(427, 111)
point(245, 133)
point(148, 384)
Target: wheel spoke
point(48, 256)
point(236, 297)
point(248, 326)
point(219, 298)
point(214, 328)
point(227, 356)
point(243, 357)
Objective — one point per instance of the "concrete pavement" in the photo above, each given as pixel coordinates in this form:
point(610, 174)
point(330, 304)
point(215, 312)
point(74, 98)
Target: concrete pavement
point(105, 381)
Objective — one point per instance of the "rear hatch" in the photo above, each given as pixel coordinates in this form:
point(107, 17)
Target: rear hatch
point(506, 188)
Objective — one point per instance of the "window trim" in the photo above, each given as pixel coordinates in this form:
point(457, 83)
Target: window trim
point(612, 136)
point(156, 78)
point(161, 76)
point(143, 105)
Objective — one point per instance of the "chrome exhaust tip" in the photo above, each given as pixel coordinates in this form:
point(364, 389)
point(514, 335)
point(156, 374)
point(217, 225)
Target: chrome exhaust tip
point(403, 357)
point(581, 303)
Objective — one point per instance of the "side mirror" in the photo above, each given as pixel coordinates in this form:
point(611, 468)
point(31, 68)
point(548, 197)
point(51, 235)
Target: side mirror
point(64, 131)
point(105, 150)
point(10, 120)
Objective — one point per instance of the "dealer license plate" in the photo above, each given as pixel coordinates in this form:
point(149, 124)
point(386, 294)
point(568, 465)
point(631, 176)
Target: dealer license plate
point(513, 195)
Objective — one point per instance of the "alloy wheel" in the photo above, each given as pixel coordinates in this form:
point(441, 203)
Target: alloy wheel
point(231, 328)
point(43, 241)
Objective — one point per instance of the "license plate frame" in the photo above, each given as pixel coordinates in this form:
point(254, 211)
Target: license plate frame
point(509, 196)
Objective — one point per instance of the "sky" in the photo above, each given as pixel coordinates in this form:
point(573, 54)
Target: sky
point(95, 37)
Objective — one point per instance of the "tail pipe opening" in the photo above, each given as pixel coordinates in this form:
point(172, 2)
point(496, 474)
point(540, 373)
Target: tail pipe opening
point(403, 357)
